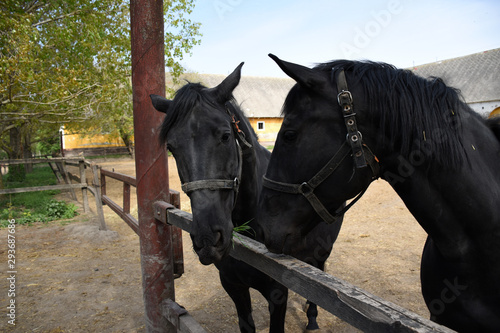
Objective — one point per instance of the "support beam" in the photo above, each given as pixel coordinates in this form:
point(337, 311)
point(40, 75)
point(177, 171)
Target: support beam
point(148, 77)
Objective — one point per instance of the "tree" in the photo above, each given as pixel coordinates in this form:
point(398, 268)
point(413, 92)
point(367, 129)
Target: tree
point(68, 62)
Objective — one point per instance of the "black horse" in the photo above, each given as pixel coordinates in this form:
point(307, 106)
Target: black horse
point(442, 159)
point(221, 165)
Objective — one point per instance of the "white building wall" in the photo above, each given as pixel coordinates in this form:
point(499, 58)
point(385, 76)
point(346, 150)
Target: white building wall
point(485, 108)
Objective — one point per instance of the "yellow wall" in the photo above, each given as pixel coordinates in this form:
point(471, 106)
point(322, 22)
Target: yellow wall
point(495, 113)
point(77, 141)
point(271, 128)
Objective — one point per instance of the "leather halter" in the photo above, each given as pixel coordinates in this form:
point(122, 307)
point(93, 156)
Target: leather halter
point(361, 154)
point(224, 184)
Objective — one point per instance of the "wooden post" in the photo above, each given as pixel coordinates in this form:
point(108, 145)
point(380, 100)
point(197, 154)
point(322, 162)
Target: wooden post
point(83, 181)
point(103, 184)
point(64, 173)
point(98, 199)
point(175, 200)
point(148, 77)
point(55, 170)
point(126, 197)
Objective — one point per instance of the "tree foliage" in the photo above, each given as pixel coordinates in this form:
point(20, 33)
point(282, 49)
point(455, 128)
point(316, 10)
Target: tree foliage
point(68, 62)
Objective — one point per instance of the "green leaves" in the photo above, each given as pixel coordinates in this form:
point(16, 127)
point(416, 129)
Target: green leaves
point(245, 227)
point(67, 62)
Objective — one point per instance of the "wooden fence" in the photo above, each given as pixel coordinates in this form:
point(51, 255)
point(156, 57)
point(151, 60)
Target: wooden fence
point(65, 179)
point(123, 212)
point(58, 166)
point(355, 306)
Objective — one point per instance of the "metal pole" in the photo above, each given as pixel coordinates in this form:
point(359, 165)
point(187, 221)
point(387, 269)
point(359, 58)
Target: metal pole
point(148, 77)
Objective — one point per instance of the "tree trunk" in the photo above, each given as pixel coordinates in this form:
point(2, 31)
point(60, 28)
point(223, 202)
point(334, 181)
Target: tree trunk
point(15, 143)
point(126, 137)
point(16, 172)
point(27, 153)
point(2, 196)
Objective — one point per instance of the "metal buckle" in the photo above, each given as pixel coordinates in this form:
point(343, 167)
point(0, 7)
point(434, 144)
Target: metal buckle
point(236, 183)
point(344, 92)
point(355, 137)
point(305, 189)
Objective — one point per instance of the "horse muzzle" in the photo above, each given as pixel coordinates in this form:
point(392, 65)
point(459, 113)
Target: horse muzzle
point(211, 250)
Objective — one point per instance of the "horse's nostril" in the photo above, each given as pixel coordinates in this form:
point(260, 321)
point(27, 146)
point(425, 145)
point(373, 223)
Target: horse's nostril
point(218, 238)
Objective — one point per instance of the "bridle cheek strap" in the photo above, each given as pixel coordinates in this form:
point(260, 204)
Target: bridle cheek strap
point(362, 157)
point(307, 188)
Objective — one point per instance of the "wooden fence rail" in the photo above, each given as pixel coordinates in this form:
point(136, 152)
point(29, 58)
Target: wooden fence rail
point(59, 167)
point(123, 212)
point(355, 306)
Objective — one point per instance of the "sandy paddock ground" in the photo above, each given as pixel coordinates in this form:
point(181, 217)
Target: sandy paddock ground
point(71, 277)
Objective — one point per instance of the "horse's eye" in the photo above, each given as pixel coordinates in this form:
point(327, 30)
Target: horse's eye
point(290, 135)
point(225, 137)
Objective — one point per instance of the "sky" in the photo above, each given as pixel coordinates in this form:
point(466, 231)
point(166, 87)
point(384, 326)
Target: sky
point(404, 33)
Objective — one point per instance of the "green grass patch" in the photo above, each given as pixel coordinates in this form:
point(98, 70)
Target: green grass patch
point(242, 229)
point(31, 207)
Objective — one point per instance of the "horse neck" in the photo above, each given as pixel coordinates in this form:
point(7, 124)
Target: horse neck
point(457, 207)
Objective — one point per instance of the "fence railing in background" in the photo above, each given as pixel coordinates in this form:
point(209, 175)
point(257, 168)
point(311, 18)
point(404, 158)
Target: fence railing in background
point(58, 166)
point(123, 212)
point(63, 175)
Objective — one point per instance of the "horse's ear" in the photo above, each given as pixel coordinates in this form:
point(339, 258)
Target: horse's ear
point(304, 76)
point(224, 91)
point(160, 103)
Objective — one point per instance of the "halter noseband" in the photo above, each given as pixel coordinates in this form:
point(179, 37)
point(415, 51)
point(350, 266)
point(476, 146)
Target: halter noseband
point(224, 184)
point(361, 154)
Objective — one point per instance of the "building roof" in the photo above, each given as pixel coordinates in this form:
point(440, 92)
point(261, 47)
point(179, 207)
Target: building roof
point(476, 75)
point(259, 97)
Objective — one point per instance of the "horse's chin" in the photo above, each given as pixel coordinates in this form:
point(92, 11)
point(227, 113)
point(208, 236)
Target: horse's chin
point(212, 255)
point(281, 244)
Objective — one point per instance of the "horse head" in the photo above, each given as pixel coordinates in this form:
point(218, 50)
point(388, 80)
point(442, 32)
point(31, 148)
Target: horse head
point(311, 171)
point(199, 131)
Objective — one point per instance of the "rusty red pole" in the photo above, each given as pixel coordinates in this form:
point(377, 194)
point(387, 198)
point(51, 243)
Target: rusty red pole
point(148, 77)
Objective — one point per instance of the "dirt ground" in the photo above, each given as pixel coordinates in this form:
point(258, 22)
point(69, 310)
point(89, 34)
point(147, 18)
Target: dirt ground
point(71, 277)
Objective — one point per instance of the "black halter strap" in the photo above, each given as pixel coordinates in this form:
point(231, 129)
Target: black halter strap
point(362, 156)
point(224, 184)
point(354, 137)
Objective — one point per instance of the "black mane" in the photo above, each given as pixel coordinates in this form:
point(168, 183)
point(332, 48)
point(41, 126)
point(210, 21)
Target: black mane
point(413, 111)
point(186, 99)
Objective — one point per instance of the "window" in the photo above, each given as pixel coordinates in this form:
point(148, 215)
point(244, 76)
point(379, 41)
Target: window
point(260, 126)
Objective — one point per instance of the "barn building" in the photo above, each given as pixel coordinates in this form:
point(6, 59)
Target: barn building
point(476, 75)
point(261, 98)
